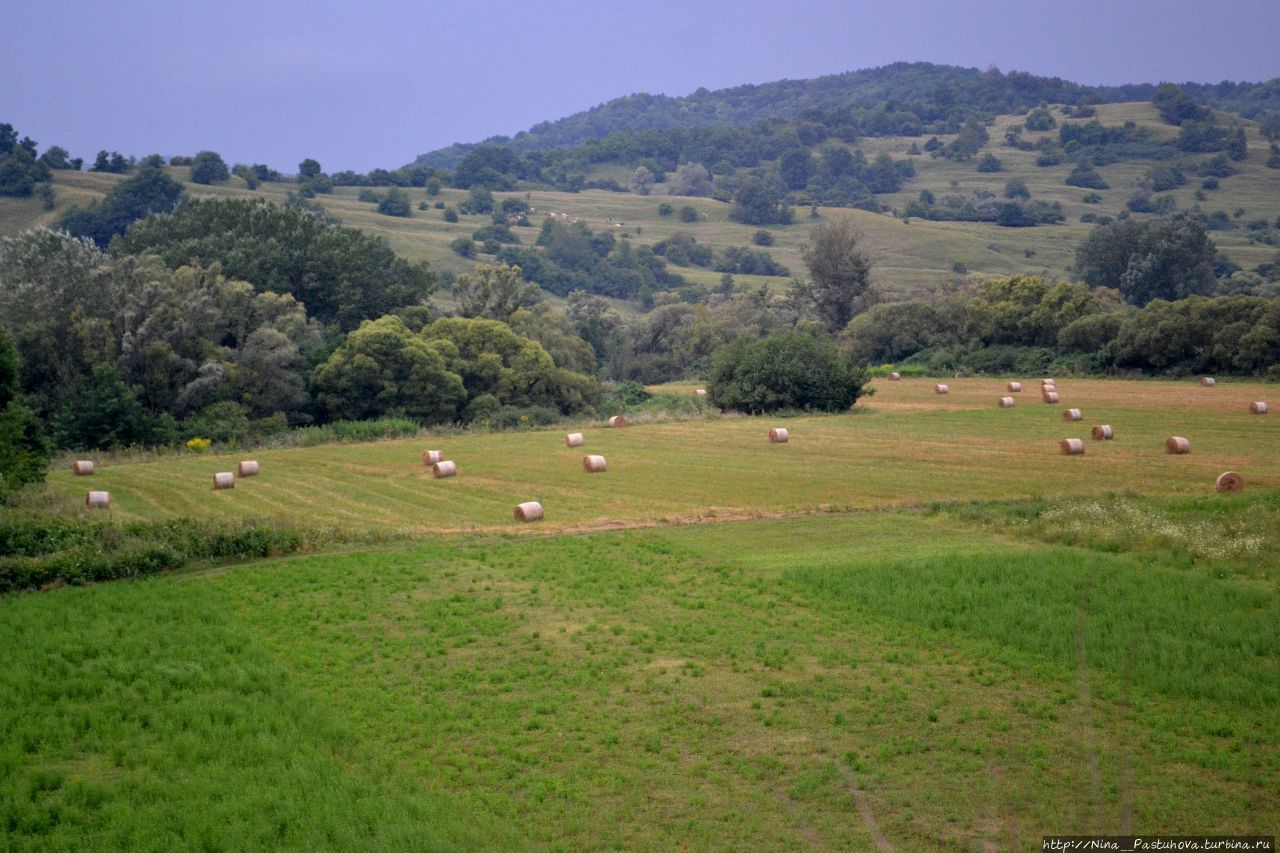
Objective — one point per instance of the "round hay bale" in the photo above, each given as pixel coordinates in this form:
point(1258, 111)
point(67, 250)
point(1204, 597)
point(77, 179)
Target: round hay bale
point(1072, 446)
point(1015, 387)
point(431, 457)
point(1176, 444)
point(1071, 415)
point(700, 392)
point(941, 389)
point(1103, 432)
point(617, 421)
point(1208, 381)
point(224, 480)
point(1044, 382)
point(443, 468)
point(1229, 482)
point(1006, 402)
point(574, 439)
point(779, 435)
point(1045, 389)
point(594, 464)
point(1258, 408)
point(82, 467)
point(97, 500)
point(247, 468)
point(528, 511)
point(895, 377)
point(1050, 396)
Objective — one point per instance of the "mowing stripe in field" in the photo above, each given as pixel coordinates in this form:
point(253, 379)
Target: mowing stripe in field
point(906, 445)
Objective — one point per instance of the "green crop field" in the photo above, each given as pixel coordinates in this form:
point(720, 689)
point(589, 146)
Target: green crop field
point(908, 257)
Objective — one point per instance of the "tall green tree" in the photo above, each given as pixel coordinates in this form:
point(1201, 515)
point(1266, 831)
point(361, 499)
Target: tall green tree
point(1151, 259)
point(383, 369)
point(24, 452)
point(208, 167)
point(839, 283)
point(494, 292)
point(150, 191)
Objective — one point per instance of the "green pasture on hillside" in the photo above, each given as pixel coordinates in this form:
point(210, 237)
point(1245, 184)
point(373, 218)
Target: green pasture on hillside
point(908, 257)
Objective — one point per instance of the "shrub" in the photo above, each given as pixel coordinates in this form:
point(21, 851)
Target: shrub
point(688, 214)
point(788, 370)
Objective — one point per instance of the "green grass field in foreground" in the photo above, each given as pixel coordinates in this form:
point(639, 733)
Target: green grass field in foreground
point(773, 684)
point(907, 446)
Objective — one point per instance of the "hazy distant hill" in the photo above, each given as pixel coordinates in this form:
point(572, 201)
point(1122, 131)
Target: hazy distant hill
point(939, 95)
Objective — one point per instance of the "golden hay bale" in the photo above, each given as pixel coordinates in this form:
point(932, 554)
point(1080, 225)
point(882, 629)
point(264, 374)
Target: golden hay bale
point(1071, 415)
point(1044, 382)
point(1176, 444)
point(894, 377)
point(247, 468)
point(224, 480)
point(1103, 433)
point(528, 511)
point(1006, 402)
point(700, 392)
point(941, 389)
point(431, 457)
point(593, 464)
point(779, 435)
point(82, 467)
point(617, 421)
point(1050, 396)
point(97, 500)
point(1015, 387)
point(1230, 482)
point(1258, 408)
point(1072, 446)
point(1208, 381)
point(574, 439)
point(443, 468)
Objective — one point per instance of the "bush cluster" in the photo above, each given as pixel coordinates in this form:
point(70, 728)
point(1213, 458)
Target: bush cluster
point(38, 550)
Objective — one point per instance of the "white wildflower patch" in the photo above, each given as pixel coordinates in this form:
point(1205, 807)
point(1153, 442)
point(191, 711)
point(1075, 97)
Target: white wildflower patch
point(1127, 524)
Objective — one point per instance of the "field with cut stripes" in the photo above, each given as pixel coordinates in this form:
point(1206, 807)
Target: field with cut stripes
point(918, 626)
point(903, 446)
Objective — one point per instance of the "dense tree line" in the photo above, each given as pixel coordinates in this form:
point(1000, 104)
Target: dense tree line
point(1026, 324)
point(341, 274)
point(121, 349)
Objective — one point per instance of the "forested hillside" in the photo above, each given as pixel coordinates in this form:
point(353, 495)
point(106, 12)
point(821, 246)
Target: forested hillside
point(877, 101)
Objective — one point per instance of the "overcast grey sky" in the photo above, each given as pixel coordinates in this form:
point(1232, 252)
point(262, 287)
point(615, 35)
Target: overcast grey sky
point(359, 86)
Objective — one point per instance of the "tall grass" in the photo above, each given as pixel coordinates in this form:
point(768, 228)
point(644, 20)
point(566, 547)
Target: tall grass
point(142, 717)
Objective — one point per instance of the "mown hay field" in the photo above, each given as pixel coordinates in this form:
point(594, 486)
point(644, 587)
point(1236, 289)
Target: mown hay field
point(904, 446)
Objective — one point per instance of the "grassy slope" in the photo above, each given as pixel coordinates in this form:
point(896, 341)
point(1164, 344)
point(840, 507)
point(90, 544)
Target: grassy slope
point(908, 257)
point(757, 685)
point(909, 446)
